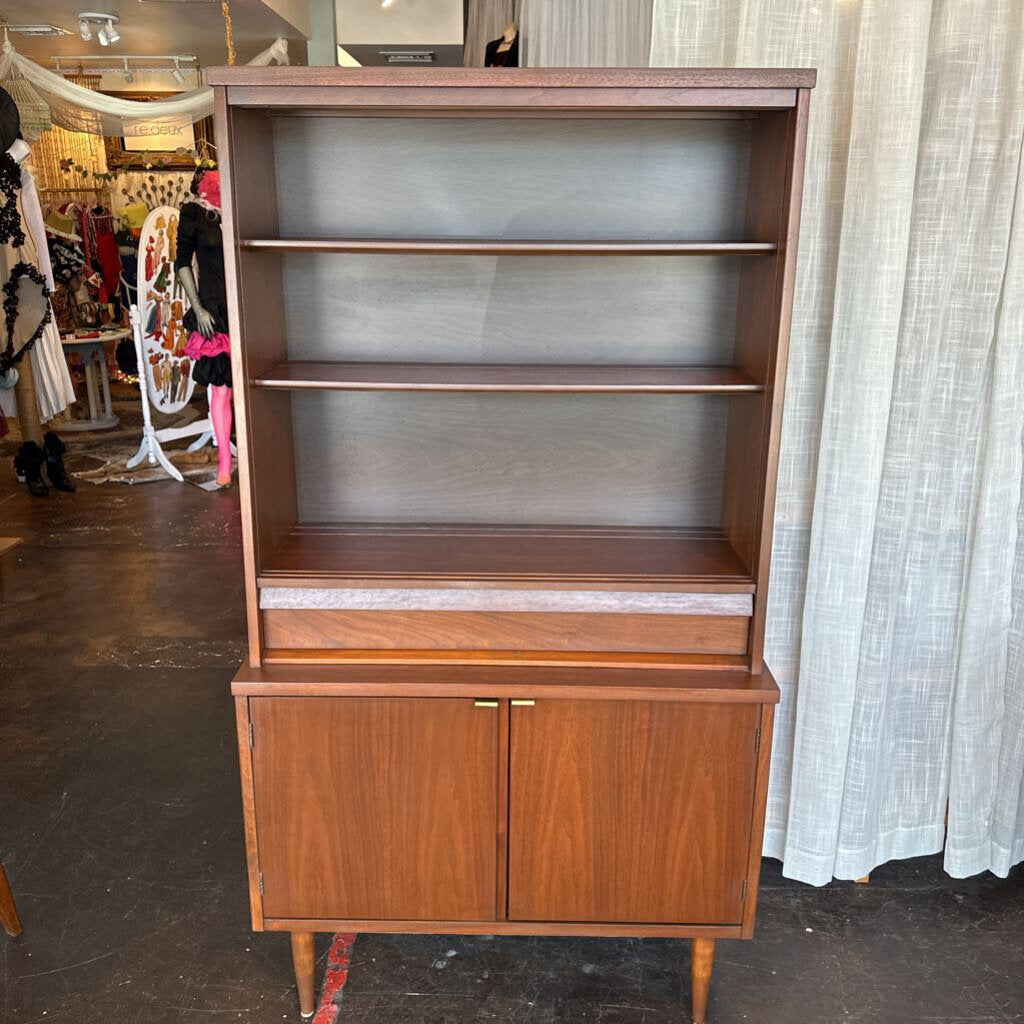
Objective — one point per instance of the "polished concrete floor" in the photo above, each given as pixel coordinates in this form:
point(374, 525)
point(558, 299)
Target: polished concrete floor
point(120, 827)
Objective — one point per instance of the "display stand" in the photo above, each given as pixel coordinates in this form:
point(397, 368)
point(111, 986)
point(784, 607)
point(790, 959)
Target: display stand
point(150, 447)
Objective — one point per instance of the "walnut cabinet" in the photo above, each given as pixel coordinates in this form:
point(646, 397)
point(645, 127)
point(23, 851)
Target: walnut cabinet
point(509, 352)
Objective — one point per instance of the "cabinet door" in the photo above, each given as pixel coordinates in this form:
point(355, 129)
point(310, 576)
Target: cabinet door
point(376, 808)
point(630, 811)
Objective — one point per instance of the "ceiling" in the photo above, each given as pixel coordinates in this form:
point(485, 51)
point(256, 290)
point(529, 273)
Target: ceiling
point(157, 27)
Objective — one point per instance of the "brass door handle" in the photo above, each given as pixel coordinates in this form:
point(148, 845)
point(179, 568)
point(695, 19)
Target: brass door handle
point(523, 703)
point(485, 703)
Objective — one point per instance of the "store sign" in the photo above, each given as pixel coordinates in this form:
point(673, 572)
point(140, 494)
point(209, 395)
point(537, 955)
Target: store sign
point(159, 134)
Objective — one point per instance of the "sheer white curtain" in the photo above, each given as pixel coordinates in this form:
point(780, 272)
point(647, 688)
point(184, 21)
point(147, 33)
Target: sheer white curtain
point(896, 621)
point(586, 33)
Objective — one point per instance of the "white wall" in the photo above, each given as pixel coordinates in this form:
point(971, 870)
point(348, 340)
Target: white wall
point(405, 22)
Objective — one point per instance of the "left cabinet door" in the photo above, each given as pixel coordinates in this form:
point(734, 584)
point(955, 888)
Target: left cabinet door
point(376, 808)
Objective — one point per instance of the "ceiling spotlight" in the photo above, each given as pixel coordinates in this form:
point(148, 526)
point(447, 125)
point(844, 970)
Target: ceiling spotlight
point(176, 73)
point(128, 76)
point(386, 3)
point(100, 22)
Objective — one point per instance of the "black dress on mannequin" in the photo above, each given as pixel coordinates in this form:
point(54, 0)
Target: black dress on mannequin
point(199, 233)
point(506, 59)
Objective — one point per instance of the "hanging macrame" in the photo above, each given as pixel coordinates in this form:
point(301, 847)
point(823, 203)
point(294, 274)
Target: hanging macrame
point(32, 108)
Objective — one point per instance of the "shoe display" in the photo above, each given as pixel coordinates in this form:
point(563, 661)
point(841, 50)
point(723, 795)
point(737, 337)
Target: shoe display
point(28, 465)
point(55, 450)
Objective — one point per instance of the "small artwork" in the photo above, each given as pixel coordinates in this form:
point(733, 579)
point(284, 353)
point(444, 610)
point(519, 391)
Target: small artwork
point(163, 306)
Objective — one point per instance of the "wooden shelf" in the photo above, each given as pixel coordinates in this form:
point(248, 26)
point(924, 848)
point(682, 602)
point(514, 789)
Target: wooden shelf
point(733, 685)
point(507, 377)
point(510, 247)
point(388, 554)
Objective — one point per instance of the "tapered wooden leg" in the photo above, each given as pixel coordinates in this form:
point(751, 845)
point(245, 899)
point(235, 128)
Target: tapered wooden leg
point(703, 961)
point(8, 911)
point(302, 957)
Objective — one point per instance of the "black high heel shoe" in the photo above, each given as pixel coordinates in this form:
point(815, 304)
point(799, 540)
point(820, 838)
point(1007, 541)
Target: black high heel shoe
point(55, 449)
point(28, 465)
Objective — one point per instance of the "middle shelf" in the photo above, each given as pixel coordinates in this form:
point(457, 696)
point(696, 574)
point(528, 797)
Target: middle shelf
point(395, 376)
point(435, 555)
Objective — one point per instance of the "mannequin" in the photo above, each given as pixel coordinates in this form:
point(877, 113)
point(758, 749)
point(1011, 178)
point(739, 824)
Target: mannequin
point(504, 52)
point(208, 346)
point(41, 382)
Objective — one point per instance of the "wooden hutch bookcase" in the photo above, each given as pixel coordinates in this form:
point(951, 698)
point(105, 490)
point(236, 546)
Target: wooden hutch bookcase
point(509, 357)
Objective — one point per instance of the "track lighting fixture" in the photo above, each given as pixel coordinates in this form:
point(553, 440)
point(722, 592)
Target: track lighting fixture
point(176, 73)
point(105, 27)
point(128, 76)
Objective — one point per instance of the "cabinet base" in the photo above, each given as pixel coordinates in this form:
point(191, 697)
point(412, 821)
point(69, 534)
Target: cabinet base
point(303, 959)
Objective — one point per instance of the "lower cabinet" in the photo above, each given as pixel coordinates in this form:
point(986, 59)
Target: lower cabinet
point(450, 809)
point(376, 808)
point(630, 811)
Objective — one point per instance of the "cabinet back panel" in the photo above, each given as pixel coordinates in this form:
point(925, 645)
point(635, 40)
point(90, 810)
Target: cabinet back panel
point(651, 460)
point(504, 309)
point(512, 178)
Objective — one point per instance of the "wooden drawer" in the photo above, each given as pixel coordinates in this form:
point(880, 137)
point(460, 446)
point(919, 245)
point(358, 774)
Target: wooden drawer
point(326, 629)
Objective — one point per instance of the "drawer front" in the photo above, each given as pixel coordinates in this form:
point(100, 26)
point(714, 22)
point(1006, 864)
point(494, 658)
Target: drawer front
point(630, 811)
point(501, 631)
point(376, 808)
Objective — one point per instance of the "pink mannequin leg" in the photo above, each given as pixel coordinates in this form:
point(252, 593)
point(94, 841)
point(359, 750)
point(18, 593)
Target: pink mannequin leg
point(220, 413)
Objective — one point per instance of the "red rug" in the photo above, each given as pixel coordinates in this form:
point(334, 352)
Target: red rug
point(336, 974)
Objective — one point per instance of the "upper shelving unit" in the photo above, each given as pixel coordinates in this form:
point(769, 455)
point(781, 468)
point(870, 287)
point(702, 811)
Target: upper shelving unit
point(361, 376)
point(509, 247)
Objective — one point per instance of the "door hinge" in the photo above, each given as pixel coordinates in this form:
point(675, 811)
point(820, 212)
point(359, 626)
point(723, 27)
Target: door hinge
point(757, 740)
point(743, 896)
point(259, 877)
point(251, 743)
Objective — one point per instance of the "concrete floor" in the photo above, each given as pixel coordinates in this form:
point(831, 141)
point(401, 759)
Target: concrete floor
point(120, 826)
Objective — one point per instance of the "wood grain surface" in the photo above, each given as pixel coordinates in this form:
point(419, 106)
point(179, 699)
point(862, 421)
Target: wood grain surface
point(376, 808)
point(548, 78)
point(322, 629)
point(630, 811)
point(723, 680)
point(552, 377)
point(665, 556)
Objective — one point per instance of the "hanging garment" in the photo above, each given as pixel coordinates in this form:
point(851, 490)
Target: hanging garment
point(27, 277)
point(108, 259)
point(66, 255)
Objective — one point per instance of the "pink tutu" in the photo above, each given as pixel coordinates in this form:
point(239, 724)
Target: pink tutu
point(198, 346)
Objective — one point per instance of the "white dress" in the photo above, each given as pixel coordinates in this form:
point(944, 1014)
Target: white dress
point(54, 390)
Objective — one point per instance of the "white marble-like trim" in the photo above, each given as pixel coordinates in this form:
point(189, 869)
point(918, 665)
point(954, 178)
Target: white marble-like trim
point(435, 599)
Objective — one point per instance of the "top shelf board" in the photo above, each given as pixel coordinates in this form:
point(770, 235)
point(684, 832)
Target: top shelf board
point(516, 92)
point(509, 247)
point(541, 78)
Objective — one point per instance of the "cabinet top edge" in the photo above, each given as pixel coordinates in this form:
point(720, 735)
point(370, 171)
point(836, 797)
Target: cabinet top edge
point(482, 680)
point(545, 78)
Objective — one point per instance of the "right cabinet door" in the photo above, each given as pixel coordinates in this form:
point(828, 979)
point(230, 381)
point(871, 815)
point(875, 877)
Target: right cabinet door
point(630, 811)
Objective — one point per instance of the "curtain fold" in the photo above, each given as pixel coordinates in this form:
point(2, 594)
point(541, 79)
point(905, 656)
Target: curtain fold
point(896, 616)
point(585, 33)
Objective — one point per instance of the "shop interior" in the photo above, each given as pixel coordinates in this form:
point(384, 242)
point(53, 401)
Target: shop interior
point(480, 330)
